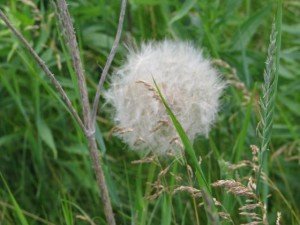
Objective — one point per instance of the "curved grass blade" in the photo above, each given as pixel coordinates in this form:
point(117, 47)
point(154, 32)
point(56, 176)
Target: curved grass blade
point(210, 208)
point(191, 156)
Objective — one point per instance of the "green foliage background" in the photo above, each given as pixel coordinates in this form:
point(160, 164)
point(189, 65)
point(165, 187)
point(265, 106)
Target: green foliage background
point(43, 155)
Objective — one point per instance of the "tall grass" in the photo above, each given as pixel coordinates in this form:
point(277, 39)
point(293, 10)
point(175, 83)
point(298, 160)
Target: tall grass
point(43, 153)
point(268, 99)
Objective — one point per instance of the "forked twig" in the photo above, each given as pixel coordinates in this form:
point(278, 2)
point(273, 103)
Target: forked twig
point(70, 37)
point(89, 116)
point(89, 120)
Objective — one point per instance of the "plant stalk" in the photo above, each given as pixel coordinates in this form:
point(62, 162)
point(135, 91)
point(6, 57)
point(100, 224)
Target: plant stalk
point(96, 162)
point(89, 116)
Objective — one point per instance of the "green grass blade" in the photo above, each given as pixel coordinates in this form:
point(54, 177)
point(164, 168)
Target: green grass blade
point(192, 160)
point(47, 136)
point(239, 144)
point(67, 213)
point(186, 143)
point(186, 7)
point(248, 28)
point(19, 212)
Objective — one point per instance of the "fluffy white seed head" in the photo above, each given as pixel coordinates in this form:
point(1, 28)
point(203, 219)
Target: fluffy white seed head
point(189, 83)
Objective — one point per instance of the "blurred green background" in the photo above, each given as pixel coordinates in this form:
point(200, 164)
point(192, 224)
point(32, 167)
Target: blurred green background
point(43, 155)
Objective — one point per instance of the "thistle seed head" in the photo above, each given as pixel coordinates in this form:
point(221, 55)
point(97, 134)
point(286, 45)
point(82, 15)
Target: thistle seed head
point(189, 83)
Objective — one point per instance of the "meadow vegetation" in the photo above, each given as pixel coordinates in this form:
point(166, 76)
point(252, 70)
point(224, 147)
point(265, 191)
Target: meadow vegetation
point(46, 175)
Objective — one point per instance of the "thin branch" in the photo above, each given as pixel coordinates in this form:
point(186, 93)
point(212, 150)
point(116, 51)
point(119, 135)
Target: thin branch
point(44, 67)
point(109, 60)
point(70, 38)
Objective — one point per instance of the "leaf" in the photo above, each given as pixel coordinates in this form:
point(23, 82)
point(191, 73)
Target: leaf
point(7, 138)
point(291, 29)
point(96, 39)
point(186, 7)
point(46, 135)
point(99, 139)
point(244, 34)
point(239, 145)
point(291, 105)
point(80, 149)
point(147, 2)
